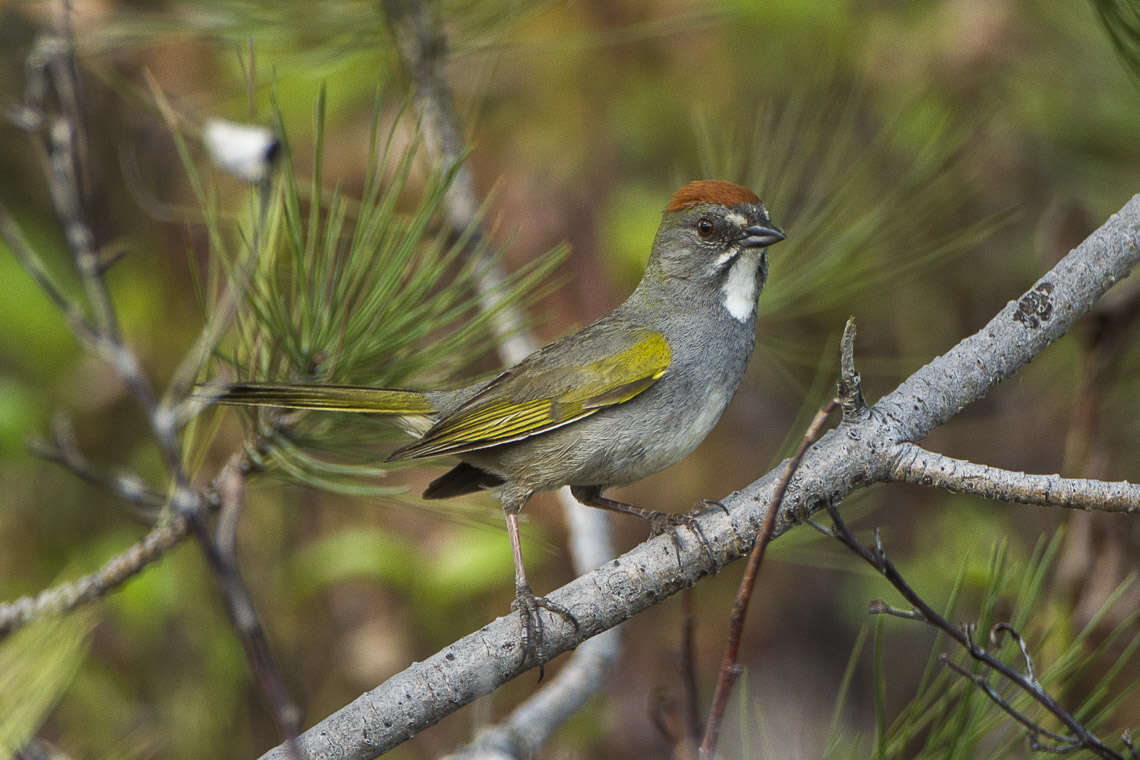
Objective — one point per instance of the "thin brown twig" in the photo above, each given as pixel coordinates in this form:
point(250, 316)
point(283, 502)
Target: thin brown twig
point(220, 555)
point(691, 700)
point(1082, 738)
point(64, 450)
point(729, 668)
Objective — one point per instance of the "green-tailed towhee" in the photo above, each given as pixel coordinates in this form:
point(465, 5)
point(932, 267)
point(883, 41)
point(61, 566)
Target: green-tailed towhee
point(621, 399)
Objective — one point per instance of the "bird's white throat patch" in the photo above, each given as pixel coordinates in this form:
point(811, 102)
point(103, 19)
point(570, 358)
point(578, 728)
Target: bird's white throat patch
point(739, 287)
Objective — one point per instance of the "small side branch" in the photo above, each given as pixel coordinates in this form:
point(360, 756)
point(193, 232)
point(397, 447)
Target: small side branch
point(219, 555)
point(850, 391)
point(52, 71)
point(64, 451)
point(1061, 744)
point(1081, 737)
point(913, 464)
point(117, 571)
point(13, 236)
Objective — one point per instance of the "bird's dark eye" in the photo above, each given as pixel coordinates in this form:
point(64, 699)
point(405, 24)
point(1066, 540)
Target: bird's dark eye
point(705, 227)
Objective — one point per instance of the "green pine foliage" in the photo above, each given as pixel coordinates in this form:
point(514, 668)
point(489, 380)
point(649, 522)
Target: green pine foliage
point(375, 290)
point(37, 665)
point(949, 716)
point(1121, 19)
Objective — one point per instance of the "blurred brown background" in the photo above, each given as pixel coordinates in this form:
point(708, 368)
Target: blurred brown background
point(1013, 126)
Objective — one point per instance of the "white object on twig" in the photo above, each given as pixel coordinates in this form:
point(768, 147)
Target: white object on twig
point(245, 150)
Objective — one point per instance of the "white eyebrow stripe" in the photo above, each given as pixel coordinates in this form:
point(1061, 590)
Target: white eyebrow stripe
point(736, 218)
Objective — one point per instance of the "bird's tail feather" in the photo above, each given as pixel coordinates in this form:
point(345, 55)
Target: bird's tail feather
point(335, 398)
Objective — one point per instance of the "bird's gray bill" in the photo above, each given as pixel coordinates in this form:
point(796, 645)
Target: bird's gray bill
point(759, 236)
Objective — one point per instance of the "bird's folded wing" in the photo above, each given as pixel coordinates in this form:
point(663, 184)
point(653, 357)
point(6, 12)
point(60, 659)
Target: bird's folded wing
point(566, 381)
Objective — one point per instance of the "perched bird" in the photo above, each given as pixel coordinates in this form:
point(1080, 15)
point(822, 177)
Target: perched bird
point(621, 399)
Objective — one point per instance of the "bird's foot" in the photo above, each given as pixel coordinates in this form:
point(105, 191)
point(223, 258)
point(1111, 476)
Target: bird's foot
point(528, 605)
point(706, 503)
point(661, 522)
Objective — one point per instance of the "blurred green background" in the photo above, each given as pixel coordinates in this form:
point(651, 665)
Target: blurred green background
point(928, 161)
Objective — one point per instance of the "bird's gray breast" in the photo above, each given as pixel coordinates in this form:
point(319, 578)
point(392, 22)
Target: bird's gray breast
point(671, 418)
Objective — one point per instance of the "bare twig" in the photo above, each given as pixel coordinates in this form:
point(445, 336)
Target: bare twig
point(878, 606)
point(1081, 737)
point(169, 531)
point(52, 71)
point(995, 639)
point(113, 574)
point(729, 669)
point(64, 450)
point(1063, 743)
point(239, 606)
point(691, 696)
point(913, 464)
point(65, 146)
point(17, 242)
point(850, 390)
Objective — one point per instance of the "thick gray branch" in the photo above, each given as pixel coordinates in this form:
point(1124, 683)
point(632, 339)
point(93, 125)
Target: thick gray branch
point(917, 465)
point(849, 457)
point(1019, 332)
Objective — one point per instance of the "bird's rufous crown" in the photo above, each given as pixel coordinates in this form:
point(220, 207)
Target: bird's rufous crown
point(710, 191)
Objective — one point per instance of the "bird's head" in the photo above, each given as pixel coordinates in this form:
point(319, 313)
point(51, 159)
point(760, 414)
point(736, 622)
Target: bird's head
point(713, 237)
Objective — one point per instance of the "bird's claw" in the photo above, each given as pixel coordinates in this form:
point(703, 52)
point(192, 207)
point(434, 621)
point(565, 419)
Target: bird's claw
point(533, 629)
point(714, 503)
point(799, 514)
point(661, 522)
